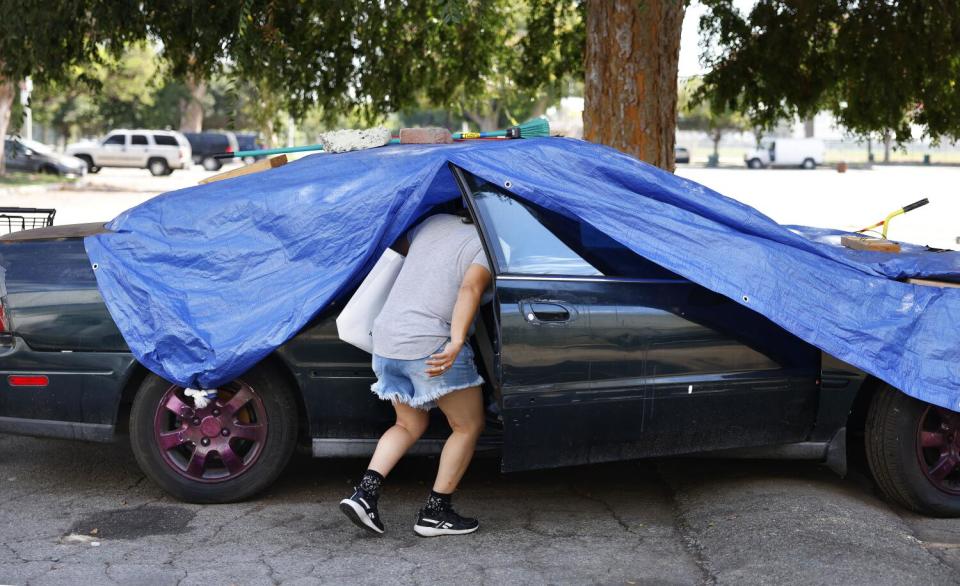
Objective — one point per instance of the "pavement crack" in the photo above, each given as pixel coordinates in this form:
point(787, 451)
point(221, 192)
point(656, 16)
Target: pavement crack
point(606, 505)
point(688, 536)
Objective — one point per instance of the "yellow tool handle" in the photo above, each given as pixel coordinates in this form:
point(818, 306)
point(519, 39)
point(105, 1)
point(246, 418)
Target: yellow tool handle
point(903, 210)
point(886, 221)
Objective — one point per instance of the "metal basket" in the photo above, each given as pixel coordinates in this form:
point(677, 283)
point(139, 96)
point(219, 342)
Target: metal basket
point(16, 219)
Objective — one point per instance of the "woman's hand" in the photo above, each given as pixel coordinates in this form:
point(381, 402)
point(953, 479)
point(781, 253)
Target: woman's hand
point(441, 362)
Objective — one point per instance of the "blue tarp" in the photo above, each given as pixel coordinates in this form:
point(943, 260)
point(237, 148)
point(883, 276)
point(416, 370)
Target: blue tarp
point(206, 281)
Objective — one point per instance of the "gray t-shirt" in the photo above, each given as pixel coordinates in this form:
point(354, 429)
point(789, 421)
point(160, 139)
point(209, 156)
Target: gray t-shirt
point(415, 320)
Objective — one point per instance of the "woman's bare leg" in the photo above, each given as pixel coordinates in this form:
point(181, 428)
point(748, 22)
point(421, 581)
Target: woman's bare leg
point(464, 411)
point(394, 443)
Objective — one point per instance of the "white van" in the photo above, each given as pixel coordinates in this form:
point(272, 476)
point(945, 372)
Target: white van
point(787, 152)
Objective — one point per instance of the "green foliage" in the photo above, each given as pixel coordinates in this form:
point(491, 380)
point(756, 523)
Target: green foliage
point(45, 40)
point(553, 46)
point(875, 65)
point(195, 36)
point(109, 92)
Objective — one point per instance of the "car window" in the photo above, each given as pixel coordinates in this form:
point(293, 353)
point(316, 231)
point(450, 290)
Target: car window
point(522, 244)
point(532, 240)
point(165, 140)
point(115, 139)
point(138, 139)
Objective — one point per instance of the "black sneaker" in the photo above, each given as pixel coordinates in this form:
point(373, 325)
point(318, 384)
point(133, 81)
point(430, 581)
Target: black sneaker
point(364, 515)
point(436, 523)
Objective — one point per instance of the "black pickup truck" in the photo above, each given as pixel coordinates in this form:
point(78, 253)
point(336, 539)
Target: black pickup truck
point(585, 361)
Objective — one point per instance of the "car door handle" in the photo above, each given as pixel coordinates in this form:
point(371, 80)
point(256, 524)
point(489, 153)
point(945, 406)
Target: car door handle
point(547, 312)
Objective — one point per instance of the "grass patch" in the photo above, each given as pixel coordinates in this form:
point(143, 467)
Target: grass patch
point(17, 179)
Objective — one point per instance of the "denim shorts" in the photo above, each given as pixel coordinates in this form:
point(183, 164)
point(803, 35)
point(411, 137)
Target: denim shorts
point(406, 381)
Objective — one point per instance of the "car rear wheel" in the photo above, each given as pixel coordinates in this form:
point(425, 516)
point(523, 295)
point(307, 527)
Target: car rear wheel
point(158, 167)
point(913, 449)
point(227, 451)
point(755, 164)
point(211, 164)
point(809, 164)
point(91, 168)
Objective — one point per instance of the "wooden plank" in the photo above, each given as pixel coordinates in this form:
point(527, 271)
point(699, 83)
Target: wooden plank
point(932, 283)
point(872, 244)
point(264, 165)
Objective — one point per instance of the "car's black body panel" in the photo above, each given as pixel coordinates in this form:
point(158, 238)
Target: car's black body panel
point(640, 368)
point(84, 387)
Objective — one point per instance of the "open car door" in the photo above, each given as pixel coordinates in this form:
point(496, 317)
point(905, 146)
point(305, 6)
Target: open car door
point(605, 356)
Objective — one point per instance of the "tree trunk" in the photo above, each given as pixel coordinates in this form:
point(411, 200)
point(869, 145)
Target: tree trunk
point(887, 138)
point(7, 92)
point(630, 91)
point(487, 121)
point(191, 109)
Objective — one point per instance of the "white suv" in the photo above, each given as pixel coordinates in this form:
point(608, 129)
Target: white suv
point(160, 151)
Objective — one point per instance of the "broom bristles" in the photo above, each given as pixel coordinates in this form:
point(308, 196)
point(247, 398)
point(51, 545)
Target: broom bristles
point(538, 126)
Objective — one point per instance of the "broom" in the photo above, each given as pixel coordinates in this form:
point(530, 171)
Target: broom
point(533, 128)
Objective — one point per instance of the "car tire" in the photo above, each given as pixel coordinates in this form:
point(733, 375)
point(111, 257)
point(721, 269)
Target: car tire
point(158, 167)
point(249, 160)
point(91, 168)
point(755, 164)
point(49, 170)
point(258, 454)
point(900, 431)
point(211, 164)
point(809, 164)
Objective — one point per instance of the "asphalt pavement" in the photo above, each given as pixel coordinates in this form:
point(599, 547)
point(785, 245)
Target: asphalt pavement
point(75, 513)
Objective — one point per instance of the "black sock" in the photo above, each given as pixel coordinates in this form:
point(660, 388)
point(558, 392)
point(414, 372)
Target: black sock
point(370, 484)
point(439, 502)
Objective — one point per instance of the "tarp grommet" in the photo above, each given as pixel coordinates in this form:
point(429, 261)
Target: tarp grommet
point(746, 299)
point(508, 184)
point(95, 266)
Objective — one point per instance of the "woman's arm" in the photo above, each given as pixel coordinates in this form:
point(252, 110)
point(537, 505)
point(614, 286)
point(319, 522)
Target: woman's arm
point(474, 283)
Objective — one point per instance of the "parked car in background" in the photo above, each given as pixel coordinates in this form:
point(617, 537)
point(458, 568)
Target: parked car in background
point(787, 152)
point(160, 151)
point(205, 145)
point(681, 155)
point(249, 142)
point(30, 156)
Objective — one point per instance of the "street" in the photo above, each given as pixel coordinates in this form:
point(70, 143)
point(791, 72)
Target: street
point(76, 513)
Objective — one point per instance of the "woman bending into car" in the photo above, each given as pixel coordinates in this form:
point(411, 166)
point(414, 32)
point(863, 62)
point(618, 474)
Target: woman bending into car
point(422, 359)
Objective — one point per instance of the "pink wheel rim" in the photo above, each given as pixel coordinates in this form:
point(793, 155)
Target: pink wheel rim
point(938, 448)
point(214, 444)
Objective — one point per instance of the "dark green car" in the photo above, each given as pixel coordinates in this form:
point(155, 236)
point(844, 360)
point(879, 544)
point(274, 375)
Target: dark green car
point(584, 361)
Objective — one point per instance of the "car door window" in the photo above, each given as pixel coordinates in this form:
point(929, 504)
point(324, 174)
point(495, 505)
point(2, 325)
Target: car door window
point(522, 244)
point(530, 240)
point(138, 140)
point(116, 139)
